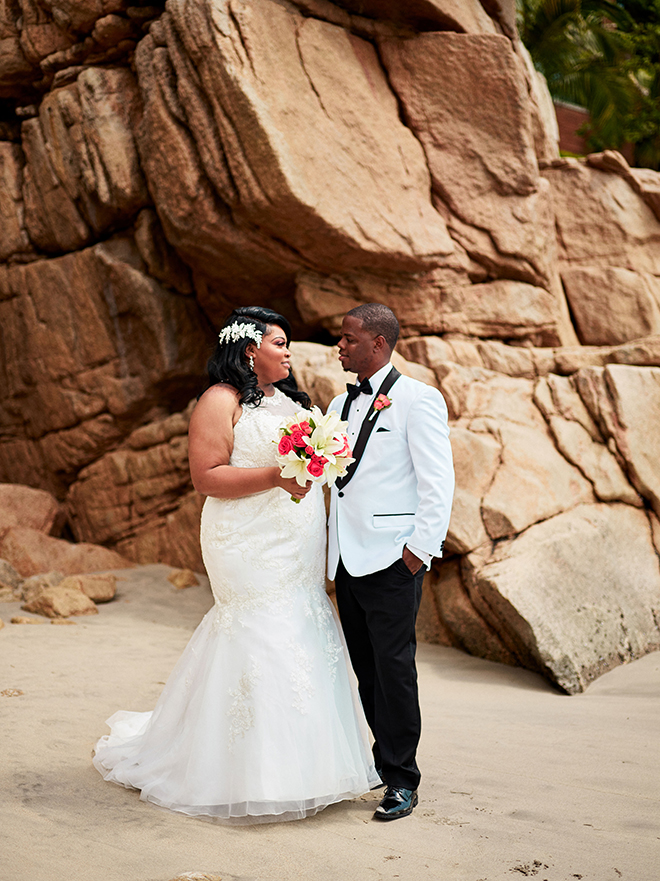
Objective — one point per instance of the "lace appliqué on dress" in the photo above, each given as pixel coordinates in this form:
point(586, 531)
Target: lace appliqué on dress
point(241, 710)
point(301, 681)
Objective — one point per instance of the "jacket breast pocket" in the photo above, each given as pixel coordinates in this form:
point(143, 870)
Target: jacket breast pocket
point(393, 521)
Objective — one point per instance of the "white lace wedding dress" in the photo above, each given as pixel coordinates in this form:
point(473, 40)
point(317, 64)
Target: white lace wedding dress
point(259, 720)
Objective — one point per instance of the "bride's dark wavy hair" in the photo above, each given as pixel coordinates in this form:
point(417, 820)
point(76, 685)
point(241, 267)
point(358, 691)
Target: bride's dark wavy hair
point(229, 363)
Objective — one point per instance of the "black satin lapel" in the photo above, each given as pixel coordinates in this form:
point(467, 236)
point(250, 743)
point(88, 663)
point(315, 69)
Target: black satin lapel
point(345, 409)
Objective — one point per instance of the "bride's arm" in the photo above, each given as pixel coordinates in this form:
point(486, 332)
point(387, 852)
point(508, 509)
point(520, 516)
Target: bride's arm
point(210, 444)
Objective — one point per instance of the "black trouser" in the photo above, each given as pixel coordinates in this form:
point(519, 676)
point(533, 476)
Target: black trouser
point(378, 613)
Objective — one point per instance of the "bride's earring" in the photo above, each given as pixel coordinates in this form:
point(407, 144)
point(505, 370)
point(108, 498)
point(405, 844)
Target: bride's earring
point(251, 363)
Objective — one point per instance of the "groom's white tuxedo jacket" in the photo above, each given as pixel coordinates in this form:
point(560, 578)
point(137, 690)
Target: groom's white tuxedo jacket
point(401, 491)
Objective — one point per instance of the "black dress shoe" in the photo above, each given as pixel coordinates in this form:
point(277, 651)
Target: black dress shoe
point(397, 802)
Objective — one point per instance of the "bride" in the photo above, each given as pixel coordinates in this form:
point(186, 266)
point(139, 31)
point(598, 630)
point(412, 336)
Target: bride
point(259, 720)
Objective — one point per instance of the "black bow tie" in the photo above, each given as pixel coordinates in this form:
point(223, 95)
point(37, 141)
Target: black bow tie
point(364, 388)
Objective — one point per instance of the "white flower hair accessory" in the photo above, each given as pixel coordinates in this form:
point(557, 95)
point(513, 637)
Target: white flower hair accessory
point(236, 332)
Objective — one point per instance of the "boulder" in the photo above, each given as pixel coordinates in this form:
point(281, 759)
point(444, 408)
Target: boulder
point(565, 600)
point(476, 459)
point(611, 305)
point(429, 627)
point(34, 508)
point(533, 482)
point(13, 236)
point(601, 220)
point(417, 300)
point(634, 398)
point(100, 588)
point(467, 16)
point(182, 578)
point(501, 309)
point(525, 361)
point(579, 439)
point(61, 602)
point(31, 552)
point(139, 498)
point(272, 197)
point(34, 585)
point(544, 119)
point(23, 619)
point(113, 344)
point(10, 580)
point(478, 138)
point(466, 627)
point(82, 173)
point(644, 181)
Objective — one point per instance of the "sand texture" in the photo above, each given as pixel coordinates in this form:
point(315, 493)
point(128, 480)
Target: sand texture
point(519, 780)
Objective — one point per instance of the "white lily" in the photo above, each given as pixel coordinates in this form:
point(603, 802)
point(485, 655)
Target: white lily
point(295, 467)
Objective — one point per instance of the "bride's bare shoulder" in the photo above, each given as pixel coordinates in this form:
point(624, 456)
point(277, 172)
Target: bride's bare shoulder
point(220, 400)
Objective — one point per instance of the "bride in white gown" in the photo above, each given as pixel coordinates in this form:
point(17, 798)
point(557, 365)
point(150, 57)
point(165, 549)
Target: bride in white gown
point(259, 720)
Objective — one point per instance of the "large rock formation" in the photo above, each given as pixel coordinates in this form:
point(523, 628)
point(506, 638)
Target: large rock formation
point(162, 163)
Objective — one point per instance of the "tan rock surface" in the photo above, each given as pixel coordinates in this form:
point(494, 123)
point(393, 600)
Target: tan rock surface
point(274, 180)
point(99, 588)
point(476, 459)
point(534, 482)
point(634, 393)
point(544, 119)
point(580, 441)
point(139, 498)
point(182, 578)
point(611, 305)
point(467, 628)
point(34, 585)
point(61, 602)
point(13, 236)
point(31, 552)
point(82, 173)
point(478, 138)
point(501, 309)
point(25, 506)
point(453, 15)
point(116, 345)
point(10, 580)
point(644, 181)
point(560, 597)
point(601, 220)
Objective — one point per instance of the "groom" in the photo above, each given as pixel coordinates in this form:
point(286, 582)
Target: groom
point(388, 517)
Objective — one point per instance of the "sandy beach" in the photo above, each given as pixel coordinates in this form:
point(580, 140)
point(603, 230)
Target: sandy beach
point(518, 780)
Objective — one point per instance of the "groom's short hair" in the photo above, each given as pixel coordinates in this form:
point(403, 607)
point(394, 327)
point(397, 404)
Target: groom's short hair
point(379, 320)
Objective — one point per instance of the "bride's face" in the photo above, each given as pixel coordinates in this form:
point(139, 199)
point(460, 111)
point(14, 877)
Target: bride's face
point(272, 358)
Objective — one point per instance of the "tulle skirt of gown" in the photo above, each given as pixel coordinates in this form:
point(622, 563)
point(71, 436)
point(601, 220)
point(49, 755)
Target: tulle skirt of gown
point(259, 720)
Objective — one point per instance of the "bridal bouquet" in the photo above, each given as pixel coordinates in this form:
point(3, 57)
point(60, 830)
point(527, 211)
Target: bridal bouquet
point(314, 447)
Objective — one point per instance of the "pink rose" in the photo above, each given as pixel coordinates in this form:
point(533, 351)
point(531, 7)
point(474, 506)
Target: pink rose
point(315, 466)
point(382, 402)
point(298, 438)
point(309, 451)
point(285, 445)
point(305, 427)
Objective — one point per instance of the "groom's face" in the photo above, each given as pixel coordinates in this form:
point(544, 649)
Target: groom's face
point(358, 349)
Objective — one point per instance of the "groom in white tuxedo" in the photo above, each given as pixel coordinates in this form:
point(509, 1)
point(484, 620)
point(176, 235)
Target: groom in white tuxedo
point(388, 518)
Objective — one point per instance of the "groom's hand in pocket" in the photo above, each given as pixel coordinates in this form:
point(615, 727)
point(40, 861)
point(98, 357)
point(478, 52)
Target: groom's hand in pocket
point(412, 562)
